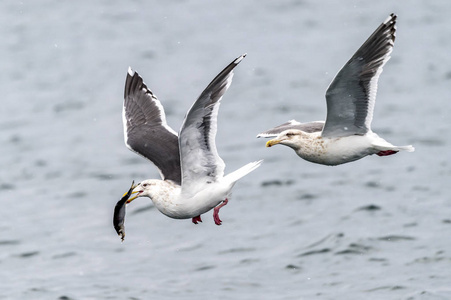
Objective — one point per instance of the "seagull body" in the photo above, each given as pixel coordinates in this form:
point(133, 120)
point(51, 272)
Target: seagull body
point(346, 134)
point(192, 172)
point(175, 202)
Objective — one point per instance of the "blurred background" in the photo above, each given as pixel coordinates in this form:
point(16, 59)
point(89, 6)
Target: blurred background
point(378, 228)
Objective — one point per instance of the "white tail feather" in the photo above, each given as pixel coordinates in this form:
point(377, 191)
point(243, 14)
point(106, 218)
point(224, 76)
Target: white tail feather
point(408, 148)
point(243, 171)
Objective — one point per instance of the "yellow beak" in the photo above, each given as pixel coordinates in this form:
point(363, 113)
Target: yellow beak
point(130, 192)
point(132, 198)
point(271, 143)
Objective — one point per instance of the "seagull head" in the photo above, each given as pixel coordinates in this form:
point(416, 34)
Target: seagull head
point(290, 138)
point(142, 189)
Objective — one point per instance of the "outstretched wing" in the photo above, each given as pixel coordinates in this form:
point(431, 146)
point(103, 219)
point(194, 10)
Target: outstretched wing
point(146, 131)
point(199, 156)
point(293, 124)
point(352, 94)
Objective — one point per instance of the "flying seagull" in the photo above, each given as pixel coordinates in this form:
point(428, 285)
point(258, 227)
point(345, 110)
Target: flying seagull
point(192, 172)
point(346, 134)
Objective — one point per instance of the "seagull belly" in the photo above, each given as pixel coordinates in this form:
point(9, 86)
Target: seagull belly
point(346, 149)
point(206, 199)
point(335, 151)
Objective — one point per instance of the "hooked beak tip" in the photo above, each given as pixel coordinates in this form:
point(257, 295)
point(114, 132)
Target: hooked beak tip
point(271, 143)
point(132, 198)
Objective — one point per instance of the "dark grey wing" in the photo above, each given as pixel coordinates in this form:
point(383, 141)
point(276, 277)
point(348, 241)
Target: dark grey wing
point(352, 94)
point(200, 159)
point(293, 124)
point(146, 131)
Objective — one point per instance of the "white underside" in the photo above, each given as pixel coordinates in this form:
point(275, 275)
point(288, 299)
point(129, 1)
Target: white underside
point(174, 204)
point(336, 151)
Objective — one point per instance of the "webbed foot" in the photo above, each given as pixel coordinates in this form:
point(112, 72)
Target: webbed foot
point(386, 152)
point(216, 212)
point(197, 219)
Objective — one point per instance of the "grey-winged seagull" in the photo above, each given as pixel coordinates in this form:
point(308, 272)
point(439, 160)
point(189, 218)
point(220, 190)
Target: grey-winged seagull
point(346, 134)
point(192, 172)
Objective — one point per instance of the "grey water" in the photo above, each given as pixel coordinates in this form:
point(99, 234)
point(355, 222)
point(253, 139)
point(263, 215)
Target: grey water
point(378, 228)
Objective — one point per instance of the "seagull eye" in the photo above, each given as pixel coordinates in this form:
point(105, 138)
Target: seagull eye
point(290, 134)
point(145, 184)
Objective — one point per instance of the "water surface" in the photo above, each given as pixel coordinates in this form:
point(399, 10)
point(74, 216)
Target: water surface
point(378, 228)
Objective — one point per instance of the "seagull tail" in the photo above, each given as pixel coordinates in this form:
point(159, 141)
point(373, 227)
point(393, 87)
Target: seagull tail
point(385, 146)
point(243, 171)
point(408, 148)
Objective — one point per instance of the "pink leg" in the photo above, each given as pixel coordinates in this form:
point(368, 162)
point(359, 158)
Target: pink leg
point(216, 212)
point(386, 152)
point(197, 219)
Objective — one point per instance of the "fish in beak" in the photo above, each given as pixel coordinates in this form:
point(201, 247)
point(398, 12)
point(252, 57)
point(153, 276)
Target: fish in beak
point(132, 191)
point(119, 211)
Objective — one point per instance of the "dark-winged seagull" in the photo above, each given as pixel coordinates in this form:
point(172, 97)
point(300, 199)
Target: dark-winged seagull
point(346, 134)
point(192, 172)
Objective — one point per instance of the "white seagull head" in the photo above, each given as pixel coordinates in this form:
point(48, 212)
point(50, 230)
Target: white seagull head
point(291, 138)
point(146, 188)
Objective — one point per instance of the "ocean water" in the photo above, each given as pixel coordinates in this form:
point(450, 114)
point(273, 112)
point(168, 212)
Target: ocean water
point(378, 228)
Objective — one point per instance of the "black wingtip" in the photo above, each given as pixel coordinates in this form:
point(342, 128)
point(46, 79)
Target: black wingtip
point(391, 23)
point(130, 71)
point(134, 83)
point(239, 59)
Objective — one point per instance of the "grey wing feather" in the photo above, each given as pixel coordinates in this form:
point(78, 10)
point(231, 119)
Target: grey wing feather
point(146, 131)
point(293, 124)
point(352, 94)
point(199, 156)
